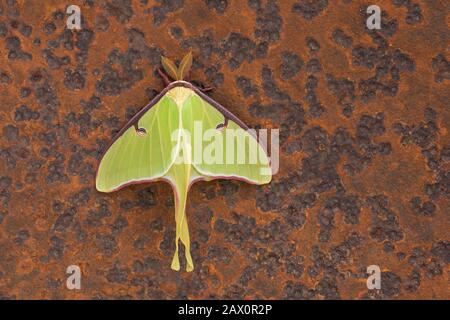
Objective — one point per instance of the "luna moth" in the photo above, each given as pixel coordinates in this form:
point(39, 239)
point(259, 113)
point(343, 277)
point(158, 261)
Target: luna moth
point(157, 144)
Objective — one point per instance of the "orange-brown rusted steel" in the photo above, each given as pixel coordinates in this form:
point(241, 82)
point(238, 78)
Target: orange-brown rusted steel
point(364, 124)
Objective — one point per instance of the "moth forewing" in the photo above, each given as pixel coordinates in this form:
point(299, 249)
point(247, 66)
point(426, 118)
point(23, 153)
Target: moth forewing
point(241, 146)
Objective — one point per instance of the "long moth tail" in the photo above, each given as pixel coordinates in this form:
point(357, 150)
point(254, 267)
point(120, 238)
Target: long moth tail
point(182, 233)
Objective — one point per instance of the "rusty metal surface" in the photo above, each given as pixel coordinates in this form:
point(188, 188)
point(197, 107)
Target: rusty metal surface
point(365, 149)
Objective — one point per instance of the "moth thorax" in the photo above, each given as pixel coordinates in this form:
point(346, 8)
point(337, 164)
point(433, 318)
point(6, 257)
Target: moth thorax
point(179, 95)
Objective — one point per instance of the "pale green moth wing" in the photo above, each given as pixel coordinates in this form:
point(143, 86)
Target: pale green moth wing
point(159, 143)
point(228, 150)
point(141, 152)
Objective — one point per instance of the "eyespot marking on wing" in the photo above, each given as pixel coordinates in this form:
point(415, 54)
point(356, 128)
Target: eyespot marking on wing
point(222, 126)
point(142, 132)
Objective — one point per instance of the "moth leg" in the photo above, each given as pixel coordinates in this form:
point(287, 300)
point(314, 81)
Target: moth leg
point(200, 86)
point(207, 89)
point(164, 77)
